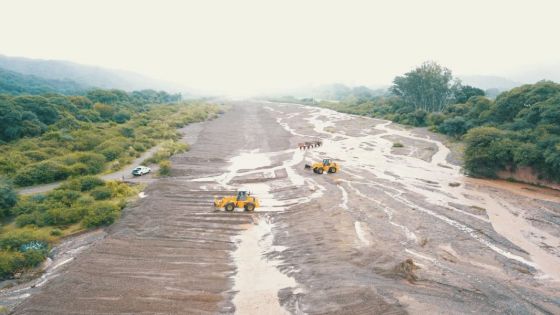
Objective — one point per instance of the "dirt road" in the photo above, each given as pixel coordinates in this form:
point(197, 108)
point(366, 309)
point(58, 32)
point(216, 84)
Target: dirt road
point(398, 230)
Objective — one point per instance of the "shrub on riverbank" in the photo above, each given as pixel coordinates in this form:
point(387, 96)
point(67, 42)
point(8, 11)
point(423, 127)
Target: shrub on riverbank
point(8, 198)
point(77, 147)
point(165, 168)
point(38, 221)
point(101, 214)
point(168, 149)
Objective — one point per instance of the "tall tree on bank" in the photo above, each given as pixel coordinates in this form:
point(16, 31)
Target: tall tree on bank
point(429, 87)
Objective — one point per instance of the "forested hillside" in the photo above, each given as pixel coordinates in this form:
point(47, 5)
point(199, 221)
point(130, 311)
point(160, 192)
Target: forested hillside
point(85, 75)
point(17, 83)
point(521, 127)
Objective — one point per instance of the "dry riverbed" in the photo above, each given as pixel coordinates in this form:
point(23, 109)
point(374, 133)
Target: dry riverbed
point(398, 230)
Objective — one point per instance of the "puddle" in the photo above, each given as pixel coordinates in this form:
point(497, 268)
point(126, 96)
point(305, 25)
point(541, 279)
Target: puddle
point(344, 203)
point(360, 233)
point(257, 280)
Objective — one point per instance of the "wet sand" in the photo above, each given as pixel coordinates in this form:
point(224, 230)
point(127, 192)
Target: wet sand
point(395, 232)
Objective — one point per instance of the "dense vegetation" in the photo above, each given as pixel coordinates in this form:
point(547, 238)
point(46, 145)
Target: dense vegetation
point(16, 83)
point(32, 224)
point(54, 137)
point(50, 138)
point(521, 127)
point(31, 116)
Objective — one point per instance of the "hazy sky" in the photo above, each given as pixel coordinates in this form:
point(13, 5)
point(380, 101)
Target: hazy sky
point(248, 46)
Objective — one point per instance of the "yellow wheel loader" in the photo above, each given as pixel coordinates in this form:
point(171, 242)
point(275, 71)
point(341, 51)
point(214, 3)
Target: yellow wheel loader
point(326, 166)
point(243, 199)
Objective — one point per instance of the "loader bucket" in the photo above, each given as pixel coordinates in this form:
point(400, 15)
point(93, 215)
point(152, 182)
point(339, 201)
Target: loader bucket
point(307, 166)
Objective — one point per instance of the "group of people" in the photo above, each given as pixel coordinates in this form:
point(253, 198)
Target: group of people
point(310, 144)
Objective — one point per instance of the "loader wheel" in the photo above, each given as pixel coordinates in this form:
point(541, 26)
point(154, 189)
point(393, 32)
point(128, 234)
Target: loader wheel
point(229, 207)
point(250, 207)
point(319, 171)
point(332, 170)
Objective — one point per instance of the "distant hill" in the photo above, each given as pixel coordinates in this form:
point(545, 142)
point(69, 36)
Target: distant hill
point(333, 92)
point(84, 75)
point(533, 74)
point(487, 82)
point(16, 83)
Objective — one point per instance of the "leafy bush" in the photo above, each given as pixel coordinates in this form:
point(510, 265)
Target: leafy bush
point(34, 218)
point(165, 168)
point(56, 232)
point(139, 147)
point(64, 216)
point(36, 155)
point(526, 154)
point(101, 214)
point(42, 172)
point(435, 119)
point(121, 117)
point(487, 151)
point(10, 261)
point(119, 189)
point(87, 183)
point(33, 257)
point(455, 126)
point(8, 198)
point(104, 110)
point(29, 205)
point(85, 200)
point(168, 149)
point(127, 132)
point(101, 193)
point(13, 239)
point(112, 153)
point(63, 196)
point(78, 169)
point(86, 140)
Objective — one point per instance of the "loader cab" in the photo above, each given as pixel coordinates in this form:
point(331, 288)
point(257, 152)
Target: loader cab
point(242, 195)
point(326, 162)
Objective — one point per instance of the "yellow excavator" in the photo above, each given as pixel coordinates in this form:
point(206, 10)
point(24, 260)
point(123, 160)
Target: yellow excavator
point(326, 166)
point(242, 199)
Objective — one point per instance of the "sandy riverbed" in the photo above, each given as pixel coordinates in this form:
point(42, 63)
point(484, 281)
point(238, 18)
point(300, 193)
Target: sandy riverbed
point(396, 231)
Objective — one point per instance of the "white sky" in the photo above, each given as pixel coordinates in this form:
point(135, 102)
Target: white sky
point(249, 46)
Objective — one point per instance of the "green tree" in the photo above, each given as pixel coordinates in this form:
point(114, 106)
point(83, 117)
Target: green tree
point(456, 126)
point(428, 87)
point(488, 150)
point(463, 93)
point(509, 104)
point(8, 198)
